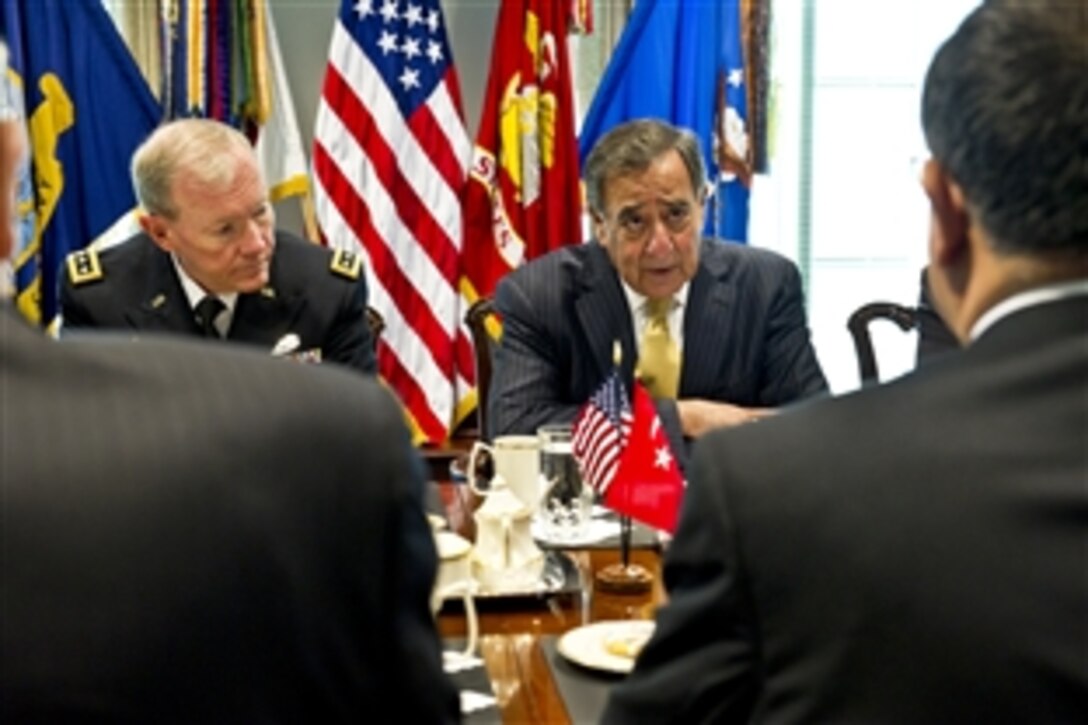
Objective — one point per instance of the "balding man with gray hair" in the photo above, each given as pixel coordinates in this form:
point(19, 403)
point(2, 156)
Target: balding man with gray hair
point(716, 331)
point(209, 261)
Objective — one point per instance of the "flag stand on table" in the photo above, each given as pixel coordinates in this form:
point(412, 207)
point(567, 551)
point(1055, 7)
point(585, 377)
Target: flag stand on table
point(623, 577)
point(624, 456)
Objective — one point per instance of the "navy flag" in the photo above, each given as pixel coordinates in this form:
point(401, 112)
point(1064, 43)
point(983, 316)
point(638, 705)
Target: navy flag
point(682, 61)
point(88, 107)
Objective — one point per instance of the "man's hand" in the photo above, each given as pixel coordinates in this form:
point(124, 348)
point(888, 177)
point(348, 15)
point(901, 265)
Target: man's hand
point(697, 416)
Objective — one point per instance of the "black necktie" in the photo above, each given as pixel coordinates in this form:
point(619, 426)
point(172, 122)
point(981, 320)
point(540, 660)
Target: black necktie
point(206, 312)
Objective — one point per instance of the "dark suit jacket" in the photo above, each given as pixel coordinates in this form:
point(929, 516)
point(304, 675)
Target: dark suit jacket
point(745, 336)
point(198, 533)
point(825, 571)
point(140, 290)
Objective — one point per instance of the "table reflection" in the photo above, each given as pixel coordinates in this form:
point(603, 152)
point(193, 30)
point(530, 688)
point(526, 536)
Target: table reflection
point(513, 627)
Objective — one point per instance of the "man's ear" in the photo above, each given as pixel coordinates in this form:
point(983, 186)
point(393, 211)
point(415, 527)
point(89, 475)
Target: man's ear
point(948, 237)
point(597, 221)
point(157, 228)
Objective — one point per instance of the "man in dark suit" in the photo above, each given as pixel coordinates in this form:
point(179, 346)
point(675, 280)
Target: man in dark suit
point(197, 533)
point(733, 316)
point(934, 337)
point(208, 239)
point(916, 551)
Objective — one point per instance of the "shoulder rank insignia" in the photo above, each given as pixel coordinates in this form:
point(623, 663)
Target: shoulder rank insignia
point(346, 264)
point(84, 267)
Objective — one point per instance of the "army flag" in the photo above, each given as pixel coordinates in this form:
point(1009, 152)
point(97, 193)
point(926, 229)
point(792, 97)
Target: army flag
point(682, 61)
point(87, 108)
point(390, 158)
point(222, 60)
point(523, 196)
point(279, 141)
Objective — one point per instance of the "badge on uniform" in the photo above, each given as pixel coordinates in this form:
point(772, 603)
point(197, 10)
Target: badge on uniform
point(346, 264)
point(287, 347)
point(84, 266)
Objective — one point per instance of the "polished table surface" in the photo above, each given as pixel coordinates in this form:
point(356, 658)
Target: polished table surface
point(511, 632)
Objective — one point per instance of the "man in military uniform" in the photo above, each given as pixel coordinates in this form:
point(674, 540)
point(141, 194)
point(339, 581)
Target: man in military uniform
point(260, 566)
point(209, 262)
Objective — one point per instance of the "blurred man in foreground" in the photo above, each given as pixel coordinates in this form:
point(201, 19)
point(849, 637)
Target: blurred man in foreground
point(209, 262)
point(934, 337)
point(192, 533)
point(917, 552)
point(716, 330)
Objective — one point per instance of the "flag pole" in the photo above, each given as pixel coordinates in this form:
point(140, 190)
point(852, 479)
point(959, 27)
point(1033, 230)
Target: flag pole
point(624, 577)
point(625, 520)
point(625, 541)
point(309, 216)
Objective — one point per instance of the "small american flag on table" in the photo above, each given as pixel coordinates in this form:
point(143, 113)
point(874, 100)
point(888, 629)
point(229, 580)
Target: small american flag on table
point(624, 454)
point(601, 431)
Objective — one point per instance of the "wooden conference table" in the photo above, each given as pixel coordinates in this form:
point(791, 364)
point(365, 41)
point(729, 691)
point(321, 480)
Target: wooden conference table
point(518, 635)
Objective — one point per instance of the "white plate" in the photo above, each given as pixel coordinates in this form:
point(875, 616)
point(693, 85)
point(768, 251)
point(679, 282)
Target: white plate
point(586, 645)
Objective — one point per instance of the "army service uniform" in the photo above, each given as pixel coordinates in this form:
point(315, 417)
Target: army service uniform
point(313, 307)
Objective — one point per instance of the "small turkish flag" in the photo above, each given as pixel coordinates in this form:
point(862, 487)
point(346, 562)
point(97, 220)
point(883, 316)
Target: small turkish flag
point(648, 485)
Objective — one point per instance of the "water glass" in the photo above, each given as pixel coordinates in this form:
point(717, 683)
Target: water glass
point(567, 502)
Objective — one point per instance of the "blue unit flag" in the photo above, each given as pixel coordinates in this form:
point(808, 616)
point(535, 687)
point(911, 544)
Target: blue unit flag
point(88, 107)
point(682, 61)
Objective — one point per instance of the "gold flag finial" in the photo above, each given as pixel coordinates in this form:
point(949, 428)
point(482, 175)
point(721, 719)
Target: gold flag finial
point(617, 353)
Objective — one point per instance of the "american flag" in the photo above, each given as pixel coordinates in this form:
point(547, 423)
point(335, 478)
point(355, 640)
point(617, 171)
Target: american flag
point(601, 431)
point(390, 159)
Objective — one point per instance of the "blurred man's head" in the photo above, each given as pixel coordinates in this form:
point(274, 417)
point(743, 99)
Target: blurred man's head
point(204, 200)
point(645, 184)
point(1005, 114)
point(13, 148)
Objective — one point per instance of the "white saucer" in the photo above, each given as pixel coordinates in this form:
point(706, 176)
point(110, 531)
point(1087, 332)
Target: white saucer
point(586, 645)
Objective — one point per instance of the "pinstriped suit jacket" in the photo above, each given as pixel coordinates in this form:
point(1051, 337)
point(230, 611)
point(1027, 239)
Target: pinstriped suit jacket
point(746, 340)
point(196, 532)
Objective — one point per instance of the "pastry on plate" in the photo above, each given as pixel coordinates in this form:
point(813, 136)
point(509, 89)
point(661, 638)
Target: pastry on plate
point(627, 642)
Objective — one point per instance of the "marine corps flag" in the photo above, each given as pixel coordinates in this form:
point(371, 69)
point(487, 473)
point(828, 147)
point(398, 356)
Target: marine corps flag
point(522, 198)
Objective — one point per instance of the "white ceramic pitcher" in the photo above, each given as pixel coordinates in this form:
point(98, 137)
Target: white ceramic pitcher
point(505, 557)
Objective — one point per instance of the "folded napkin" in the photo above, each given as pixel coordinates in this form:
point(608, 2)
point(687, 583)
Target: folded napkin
point(456, 662)
point(471, 679)
point(471, 701)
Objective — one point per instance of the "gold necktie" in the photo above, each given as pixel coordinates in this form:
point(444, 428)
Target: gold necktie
point(659, 357)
